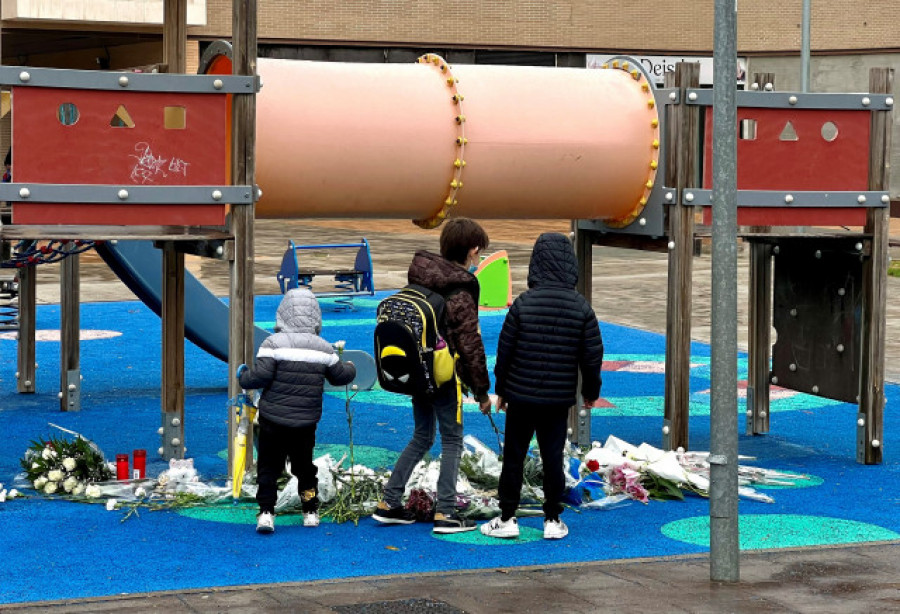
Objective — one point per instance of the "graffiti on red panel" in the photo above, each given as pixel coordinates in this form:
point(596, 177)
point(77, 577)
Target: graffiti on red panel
point(150, 167)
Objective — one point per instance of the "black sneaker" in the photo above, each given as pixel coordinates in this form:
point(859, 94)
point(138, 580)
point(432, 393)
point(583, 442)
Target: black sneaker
point(452, 523)
point(393, 515)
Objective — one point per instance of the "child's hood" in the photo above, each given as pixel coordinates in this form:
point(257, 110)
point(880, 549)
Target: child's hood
point(553, 262)
point(298, 312)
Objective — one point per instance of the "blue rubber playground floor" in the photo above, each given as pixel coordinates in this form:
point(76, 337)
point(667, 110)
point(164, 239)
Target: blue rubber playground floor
point(56, 549)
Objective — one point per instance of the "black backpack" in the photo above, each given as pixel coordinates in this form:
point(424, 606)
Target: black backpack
point(412, 356)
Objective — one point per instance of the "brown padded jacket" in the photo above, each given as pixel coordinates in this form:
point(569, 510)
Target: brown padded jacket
point(460, 291)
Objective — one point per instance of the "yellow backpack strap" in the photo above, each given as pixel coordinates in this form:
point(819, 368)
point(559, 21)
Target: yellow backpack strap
point(459, 395)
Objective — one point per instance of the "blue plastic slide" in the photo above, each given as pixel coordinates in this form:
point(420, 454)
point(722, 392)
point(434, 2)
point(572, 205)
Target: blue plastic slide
point(139, 265)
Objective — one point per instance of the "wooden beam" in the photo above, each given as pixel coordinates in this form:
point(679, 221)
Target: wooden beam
point(682, 145)
point(172, 310)
point(25, 373)
point(759, 317)
point(870, 433)
point(580, 425)
point(108, 233)
point(69, 333)
point(172, 307)
point(759, 337)
point(219, 249)
point(638, 242)
point(175, 36)
point(243, 163)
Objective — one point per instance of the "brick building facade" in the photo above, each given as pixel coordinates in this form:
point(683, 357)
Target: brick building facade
point(678, 26)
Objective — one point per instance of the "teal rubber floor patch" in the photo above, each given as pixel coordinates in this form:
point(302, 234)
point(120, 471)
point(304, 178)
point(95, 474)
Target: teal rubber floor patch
point(372, 457)
point(242, 513)
point(641, 406)
point(475, 538)
point(801, 481)
point(764, 531)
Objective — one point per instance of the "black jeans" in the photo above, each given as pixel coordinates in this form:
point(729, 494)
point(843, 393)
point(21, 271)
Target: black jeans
point(276, 444)
point(522, 422)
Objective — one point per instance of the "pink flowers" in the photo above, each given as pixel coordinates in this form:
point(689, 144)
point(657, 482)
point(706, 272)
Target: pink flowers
point(638, 492)
point(623, 479)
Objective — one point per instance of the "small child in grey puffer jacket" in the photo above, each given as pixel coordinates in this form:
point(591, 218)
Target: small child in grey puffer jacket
point(291, 367)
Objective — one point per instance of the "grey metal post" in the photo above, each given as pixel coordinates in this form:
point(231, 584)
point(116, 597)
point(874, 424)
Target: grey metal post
point(804, 51)
point(723, 508)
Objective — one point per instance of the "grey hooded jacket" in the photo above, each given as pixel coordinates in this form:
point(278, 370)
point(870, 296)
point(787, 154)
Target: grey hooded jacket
point(293, 363)
point(550, 333)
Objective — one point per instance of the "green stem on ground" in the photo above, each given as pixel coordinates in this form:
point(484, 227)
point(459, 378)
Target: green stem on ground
point(350, 440)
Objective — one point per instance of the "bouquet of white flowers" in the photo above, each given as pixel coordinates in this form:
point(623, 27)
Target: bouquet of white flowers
point(63, 466)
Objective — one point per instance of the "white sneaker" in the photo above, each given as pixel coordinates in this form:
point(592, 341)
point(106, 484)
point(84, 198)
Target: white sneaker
point(499, 528)
point(265, 523)
point(310, 519)
point(555, 529)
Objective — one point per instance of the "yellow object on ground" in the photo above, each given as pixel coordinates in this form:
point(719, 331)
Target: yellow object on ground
point(245, 412)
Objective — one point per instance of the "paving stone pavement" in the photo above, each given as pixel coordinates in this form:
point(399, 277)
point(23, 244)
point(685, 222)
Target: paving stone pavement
point(813, 580)
point(629, 289)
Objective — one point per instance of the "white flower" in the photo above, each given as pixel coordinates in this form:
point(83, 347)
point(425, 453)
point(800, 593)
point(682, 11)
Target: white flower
point(69, 463)
point(139, 491)
point(34, 465)
point(79, 488)
point(111, 504)
point(50, 488)
point(2, 496)
point(92, 491)
point(39, 483)
point(70, 483)
point(339, 346)
point(12, 494)
point(55, 475)
point(48, 453)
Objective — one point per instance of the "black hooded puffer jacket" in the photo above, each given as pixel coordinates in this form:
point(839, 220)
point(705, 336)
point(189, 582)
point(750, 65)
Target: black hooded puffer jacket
point(293, 363)
point(550, 333)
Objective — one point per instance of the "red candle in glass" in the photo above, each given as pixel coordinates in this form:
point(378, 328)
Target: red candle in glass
point(140, 464)
point(121, 466)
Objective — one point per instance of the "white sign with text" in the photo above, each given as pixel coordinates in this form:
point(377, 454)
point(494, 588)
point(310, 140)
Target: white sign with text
point(658, 65)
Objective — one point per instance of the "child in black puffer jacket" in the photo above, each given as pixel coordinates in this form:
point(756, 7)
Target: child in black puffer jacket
point(550, 335)
point(290, 368)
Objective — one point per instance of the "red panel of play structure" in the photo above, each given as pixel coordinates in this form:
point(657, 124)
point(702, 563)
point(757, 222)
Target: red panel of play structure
point(66, 136)
point(797, 150)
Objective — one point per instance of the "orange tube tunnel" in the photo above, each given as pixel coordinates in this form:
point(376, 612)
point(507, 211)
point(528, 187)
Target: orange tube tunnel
point(428, 140)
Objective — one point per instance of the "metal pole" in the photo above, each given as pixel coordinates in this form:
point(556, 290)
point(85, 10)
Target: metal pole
point(723, 508)
point(804, 51)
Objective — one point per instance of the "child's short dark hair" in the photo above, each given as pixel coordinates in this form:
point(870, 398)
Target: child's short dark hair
point(459, 235)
